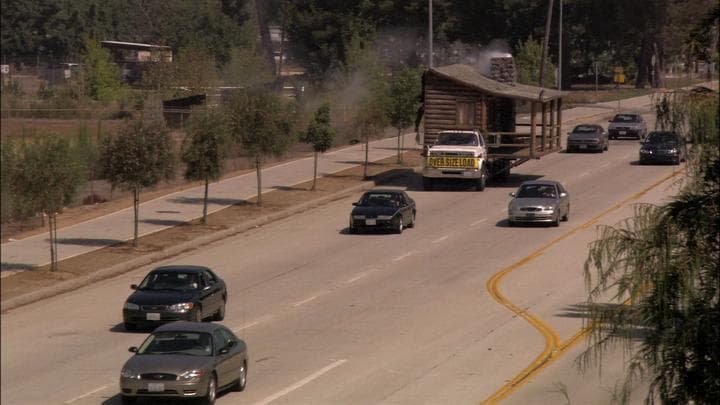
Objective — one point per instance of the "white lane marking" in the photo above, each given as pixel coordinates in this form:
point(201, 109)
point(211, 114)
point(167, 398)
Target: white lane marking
point(361, 275)
point(397, 259)
point(478, 222)
point(583, 174)
point(440, 239)
point(300, 383)
point(86, 394)
point(603, 165)
point(504, 209)
point(305, 301)
point(247, 325)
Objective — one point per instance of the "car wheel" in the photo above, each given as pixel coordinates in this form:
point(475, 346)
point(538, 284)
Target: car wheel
point(480, 185)
point(129, 326)
point(511, 223)
point(412, 221)
point(126, 400)
point(428, 184)
point(556, 222)
point(569, 150)
point(241, 382)
point(209, 398)
point(399, 224)
point(220, 314)
point(566, 217)
point(197, 316)
point(352, 230)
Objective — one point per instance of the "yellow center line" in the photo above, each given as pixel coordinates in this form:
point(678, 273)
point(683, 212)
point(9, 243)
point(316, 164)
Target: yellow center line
point(554, 347)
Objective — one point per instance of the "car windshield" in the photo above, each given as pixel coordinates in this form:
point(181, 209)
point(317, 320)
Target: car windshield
point(585, 129)
point(175, 281)
point(380, 200)
point(460, 139)
point(662, 137)
point(537, 191)
point(626, 118)
point(184, 343)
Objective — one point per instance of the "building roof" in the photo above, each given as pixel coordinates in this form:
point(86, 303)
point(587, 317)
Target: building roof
point(468, 76)
point(133, 45)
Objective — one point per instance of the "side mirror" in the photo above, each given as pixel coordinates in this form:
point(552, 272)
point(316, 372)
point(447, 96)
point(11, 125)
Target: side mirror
point(133, 286)
point(133, 349)
point(512, 194)
point(231, 343)
point(356, 203)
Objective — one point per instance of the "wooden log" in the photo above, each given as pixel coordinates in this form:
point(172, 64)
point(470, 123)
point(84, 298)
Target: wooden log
point(533, 122)
point(543, 130)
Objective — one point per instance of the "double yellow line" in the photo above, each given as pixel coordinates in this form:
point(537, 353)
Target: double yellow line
point(554, 347)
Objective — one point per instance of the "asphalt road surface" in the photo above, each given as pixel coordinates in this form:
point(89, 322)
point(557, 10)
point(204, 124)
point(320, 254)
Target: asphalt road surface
point(334, 318)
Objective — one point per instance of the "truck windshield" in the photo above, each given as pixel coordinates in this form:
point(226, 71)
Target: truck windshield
point(457, 139)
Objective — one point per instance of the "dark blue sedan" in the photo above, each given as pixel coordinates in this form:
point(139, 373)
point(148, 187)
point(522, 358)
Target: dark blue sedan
point(383, 209)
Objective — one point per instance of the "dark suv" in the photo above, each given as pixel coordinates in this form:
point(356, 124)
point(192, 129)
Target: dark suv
point(627, 124)
point(663, 147)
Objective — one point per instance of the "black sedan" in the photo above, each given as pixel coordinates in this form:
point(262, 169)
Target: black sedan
point(663, 147)
point(588, 137)
point(172, 293)
point(185, 360)
point(383, 209)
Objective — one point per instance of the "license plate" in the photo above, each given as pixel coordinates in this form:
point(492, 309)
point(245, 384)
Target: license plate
point(583, 146)
point(622, 132)
point(156, 387)
point(453, 162)
point(530, 215)
point(152, 316)
point(370, 222)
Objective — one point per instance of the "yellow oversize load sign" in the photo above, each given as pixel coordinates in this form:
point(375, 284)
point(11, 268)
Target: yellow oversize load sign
point(453, 162)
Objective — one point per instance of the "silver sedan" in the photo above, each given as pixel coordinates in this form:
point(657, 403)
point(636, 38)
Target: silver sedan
point(544, 201)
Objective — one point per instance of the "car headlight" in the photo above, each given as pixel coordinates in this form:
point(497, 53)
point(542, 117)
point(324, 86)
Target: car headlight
point(673, 150)
point(130, 373)
point(181, 307)
point(190, 375)
point(358, 216)
point(131, 306)
point(549, 208)
point(385, 217)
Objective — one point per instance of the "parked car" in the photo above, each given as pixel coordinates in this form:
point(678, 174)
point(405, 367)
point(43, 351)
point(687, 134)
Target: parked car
point(185, 360)
point(539, 201)
point(663, 147)
point(383, 209)
point(172, 293)
point(588, 137)
point(627, 124)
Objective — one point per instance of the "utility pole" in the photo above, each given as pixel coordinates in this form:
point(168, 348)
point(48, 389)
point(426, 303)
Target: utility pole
point(560, 32)
point(545, 44)
point(430, 34)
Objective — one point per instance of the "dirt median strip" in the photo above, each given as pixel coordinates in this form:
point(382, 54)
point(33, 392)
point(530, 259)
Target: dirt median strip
point(76, 281)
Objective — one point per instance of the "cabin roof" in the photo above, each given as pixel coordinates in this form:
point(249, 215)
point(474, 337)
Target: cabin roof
point(468, 76)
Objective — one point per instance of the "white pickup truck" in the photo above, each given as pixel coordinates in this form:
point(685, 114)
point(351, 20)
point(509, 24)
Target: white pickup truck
point(456, 154)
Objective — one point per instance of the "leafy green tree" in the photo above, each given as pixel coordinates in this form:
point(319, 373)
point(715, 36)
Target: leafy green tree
point(527, 60)
point(49, 179)
point(192, 71)
point(665, 260)
point(8, 166)
point(137, 157)
point(246, 69)
point(101, 75)
point(405, 88)
point(262, 123)
point(204, 149)
point(369, 122)
point(320, 135)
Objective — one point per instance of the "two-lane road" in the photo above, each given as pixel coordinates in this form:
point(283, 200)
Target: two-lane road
point(334, 318)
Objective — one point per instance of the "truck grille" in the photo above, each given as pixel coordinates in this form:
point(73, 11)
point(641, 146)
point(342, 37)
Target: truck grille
point(438, 154)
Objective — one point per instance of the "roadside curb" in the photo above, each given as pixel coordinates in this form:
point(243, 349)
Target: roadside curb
point(99, 275)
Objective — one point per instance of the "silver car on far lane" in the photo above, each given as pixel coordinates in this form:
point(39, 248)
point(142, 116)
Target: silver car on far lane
point(588, 137)
point(544, 201)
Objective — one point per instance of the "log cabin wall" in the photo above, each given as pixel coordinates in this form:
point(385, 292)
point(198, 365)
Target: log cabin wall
point(450, 105)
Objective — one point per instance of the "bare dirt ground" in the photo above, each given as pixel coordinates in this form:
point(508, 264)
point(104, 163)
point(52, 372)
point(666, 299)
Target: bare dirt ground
point(273, 201)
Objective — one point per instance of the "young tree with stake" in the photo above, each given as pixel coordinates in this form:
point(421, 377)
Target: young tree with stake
point(320, 135)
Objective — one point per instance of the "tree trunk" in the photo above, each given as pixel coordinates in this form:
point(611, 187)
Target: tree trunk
point(548, 24)
point(205, 199)
point(659, 66)
point(258, 166)
point(52, 244)
point(365, 166)
point(136, 211)
point(644, 62)
point(399, 156)
point(265, 40)
point(315, 162)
